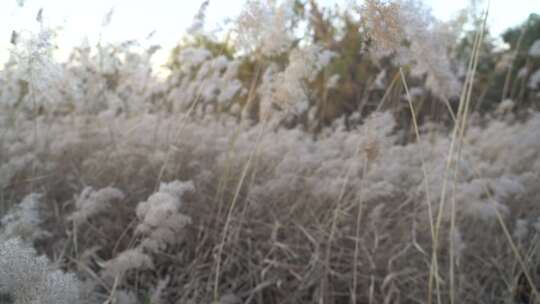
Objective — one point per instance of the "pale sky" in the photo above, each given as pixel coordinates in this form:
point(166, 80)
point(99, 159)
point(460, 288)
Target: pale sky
point(135, 19)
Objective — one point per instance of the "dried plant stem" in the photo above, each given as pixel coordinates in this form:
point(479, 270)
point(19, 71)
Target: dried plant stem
point(508, 237)
point(232, 206)
point(434, 267)
point(395, 79)
point(357, 232)
point(508, 78)
point(333, 227)
point(458, 131)
point(230, 153)
point(177, 135)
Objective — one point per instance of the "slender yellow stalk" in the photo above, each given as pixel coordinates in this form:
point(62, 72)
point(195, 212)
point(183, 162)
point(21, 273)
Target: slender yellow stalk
point(335, 220)
point(357, 233)
point(513, 246)
point(508, 78)
point(458, 130)
point(231, 209)
point(387, 92)
point(433, 268)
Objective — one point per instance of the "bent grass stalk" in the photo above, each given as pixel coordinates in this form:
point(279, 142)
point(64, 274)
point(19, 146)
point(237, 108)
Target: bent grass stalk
point(333, 227)
point(231, 209)
point(460, 123)
point(509, 239)
point(357, 232)
point(230, 153)
point(425, 173)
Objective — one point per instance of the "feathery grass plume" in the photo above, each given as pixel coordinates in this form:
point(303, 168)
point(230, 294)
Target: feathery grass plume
point(28, 279)
point(15, 164)
point(24, 220)
point(263, 27)
point(32, 53)
point(407, 30)
point(161, 221)
point(385, 28)
point(161, 224)
point(288, 90)
point(131, 259)
point(91, 203)
point(107, 18)
point(521, 229)
point(191, 58)
point(208, 82)
point(506, 106)
point(197, 26)
point(536, 225)
point(534, 51)
point(534, 81)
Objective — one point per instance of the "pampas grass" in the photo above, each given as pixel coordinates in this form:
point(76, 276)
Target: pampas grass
point(155, 191)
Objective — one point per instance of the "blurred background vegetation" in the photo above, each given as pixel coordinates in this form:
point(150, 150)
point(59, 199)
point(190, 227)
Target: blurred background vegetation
point(363, 85)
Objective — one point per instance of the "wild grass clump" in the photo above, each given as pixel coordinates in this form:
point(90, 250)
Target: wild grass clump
point(258, 173)
point(370, 190)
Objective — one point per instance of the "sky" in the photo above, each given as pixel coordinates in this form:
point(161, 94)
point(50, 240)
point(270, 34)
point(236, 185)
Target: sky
point(135, 19)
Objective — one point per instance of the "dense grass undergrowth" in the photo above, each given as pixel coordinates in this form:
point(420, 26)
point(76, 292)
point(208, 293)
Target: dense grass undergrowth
point(272, 168)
